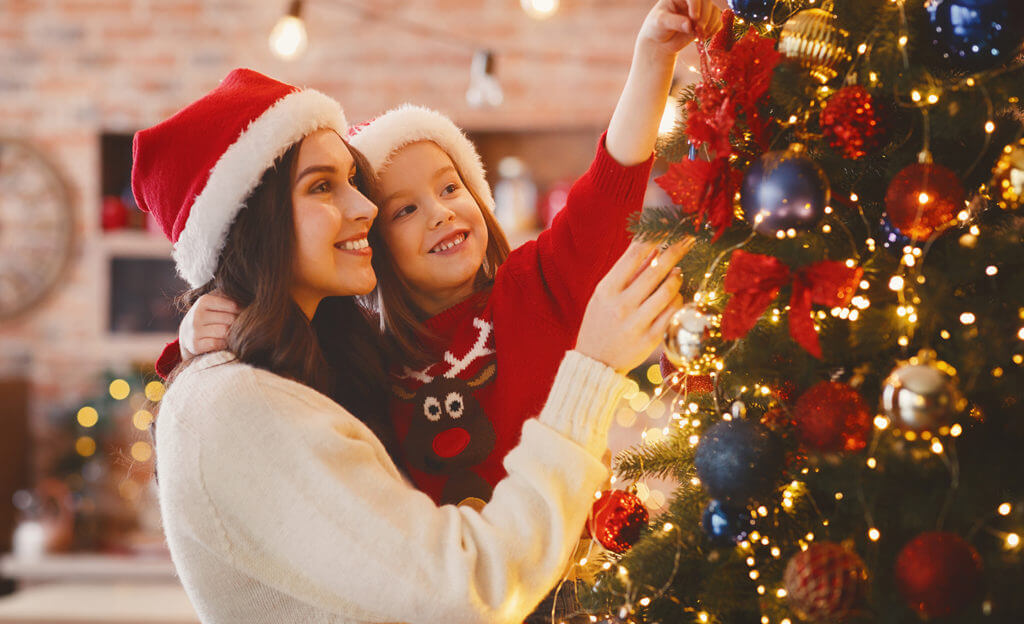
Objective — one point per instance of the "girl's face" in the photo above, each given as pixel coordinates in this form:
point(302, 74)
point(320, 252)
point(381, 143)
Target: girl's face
point(332, 218)
point(432, 226)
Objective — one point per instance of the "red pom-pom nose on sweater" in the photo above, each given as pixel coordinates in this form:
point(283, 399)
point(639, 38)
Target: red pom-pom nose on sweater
point(451, 442)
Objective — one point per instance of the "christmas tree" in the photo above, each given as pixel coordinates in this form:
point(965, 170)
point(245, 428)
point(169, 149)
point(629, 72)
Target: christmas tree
point(847, 379)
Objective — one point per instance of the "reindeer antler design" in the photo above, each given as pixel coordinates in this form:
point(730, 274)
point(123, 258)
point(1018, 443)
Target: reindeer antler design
point(478, 350)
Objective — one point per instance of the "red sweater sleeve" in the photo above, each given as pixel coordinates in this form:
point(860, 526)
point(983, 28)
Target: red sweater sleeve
point(169, 358)
point(585, 239)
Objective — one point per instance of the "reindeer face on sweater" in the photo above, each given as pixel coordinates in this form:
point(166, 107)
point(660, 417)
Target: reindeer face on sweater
point(449, 433)
point(449, 430)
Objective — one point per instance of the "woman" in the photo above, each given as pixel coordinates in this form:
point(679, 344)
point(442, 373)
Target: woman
point(279, 505)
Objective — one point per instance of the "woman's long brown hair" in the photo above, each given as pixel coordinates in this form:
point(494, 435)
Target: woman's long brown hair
point(337, 353)
point(407, 338)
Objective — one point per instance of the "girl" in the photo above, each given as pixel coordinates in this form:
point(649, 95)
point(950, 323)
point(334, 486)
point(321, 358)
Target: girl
point(477, 332)
point(278, 504)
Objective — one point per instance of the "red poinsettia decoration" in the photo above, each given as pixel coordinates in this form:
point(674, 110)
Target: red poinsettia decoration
point(704, 189)
point(736, 75)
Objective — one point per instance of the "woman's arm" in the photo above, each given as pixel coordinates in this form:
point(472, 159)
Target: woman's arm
point(263, 479)
point(299, 495)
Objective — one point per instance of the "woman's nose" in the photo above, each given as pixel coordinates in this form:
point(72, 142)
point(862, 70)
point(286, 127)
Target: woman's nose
point(359, 208)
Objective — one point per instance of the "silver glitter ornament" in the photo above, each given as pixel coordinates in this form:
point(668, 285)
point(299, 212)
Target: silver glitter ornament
point(922, 394)
point(685, 335)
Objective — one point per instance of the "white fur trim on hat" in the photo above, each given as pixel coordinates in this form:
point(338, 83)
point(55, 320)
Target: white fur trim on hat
point(239, 170)
point(380, 138)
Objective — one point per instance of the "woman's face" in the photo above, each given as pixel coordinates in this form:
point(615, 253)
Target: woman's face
point(331, 219)
point(432, 226)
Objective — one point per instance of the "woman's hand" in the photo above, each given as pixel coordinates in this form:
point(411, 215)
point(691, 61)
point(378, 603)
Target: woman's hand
point(630, 309)
point(206, 324)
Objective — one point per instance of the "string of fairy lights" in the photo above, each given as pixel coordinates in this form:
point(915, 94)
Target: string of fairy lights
point(686, 414)
point(288, 40)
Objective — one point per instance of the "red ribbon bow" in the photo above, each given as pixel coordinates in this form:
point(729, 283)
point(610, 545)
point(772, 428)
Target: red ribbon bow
point(755, 280)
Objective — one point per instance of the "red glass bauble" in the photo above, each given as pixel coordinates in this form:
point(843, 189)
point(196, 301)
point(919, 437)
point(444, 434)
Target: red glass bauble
point(826, 582)
point(938, 573)
point(832, 416)
point(923, 198)
point(114, 214)
point(616, 520)
point(852, 123)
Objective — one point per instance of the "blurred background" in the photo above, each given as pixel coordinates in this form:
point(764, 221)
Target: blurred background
point(86, 280)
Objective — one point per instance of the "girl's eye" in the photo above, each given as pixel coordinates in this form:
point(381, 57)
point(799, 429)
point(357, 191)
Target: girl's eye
point(451, 188)
point(401, 212)
point(321, 187)
point(353, 177)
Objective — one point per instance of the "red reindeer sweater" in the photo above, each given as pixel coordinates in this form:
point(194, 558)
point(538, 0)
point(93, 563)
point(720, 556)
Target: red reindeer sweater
point(458, 418)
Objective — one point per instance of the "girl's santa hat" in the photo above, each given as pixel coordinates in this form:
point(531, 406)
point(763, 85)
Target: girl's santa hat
point(194, 171)
point(379, 139)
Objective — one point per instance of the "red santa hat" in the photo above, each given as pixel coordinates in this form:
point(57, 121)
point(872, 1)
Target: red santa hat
point(194, 171)
point(379, 139)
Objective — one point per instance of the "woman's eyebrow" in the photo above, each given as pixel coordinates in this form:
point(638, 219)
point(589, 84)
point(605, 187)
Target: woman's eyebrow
point(316, 169)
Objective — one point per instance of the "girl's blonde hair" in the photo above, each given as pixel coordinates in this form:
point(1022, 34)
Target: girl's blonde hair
point(408, 339)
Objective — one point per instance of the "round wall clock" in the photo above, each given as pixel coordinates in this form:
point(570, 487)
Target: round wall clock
point(36, 226)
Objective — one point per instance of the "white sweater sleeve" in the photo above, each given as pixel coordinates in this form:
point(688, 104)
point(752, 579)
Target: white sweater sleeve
point(293, 491)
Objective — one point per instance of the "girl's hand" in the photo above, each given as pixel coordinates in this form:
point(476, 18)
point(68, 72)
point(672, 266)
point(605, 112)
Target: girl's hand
point(627, 316)
point(206, 324)
point(672, 24)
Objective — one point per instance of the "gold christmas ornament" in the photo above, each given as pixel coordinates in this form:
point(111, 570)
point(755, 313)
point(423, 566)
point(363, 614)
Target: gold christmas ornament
point(922, 394)
point(685, 336)
point(1008, 177)
point(812, 39)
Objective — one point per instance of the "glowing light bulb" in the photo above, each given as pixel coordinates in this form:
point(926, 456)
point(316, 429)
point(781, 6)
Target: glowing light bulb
point(288, 37)
point(540, 9)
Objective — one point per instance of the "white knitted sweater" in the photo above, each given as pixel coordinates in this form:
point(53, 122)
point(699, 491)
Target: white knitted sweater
point(280, 506)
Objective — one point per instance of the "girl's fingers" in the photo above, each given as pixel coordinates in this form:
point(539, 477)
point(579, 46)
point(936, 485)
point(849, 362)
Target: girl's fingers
point(713, 21)
point(655, 304)
point(654, 272)
point(209, 345)
point(696, 11)
point(220, 304)
point(678, 23)
point(626, 267)
point(214, 317)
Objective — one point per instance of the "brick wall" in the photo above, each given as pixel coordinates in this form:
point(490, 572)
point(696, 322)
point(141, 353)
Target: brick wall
point(71, 69)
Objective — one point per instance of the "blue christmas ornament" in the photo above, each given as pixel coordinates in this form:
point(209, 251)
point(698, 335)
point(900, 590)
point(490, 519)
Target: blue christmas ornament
point(725, 524)
point(753, 10)
point(783, 191)
point(976, 35)
point(738, 460)
point(892, 238)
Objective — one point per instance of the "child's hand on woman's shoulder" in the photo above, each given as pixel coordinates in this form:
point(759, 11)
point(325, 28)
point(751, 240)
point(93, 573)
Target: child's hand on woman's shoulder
point(206, 325)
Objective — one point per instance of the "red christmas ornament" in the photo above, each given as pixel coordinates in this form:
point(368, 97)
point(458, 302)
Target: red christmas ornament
point(114, 214)
point(826, 582)
point(923, 198)
point(938, 573)
point(616, 520)
point(687, 383)
point(832, 416)
point(852, 123)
